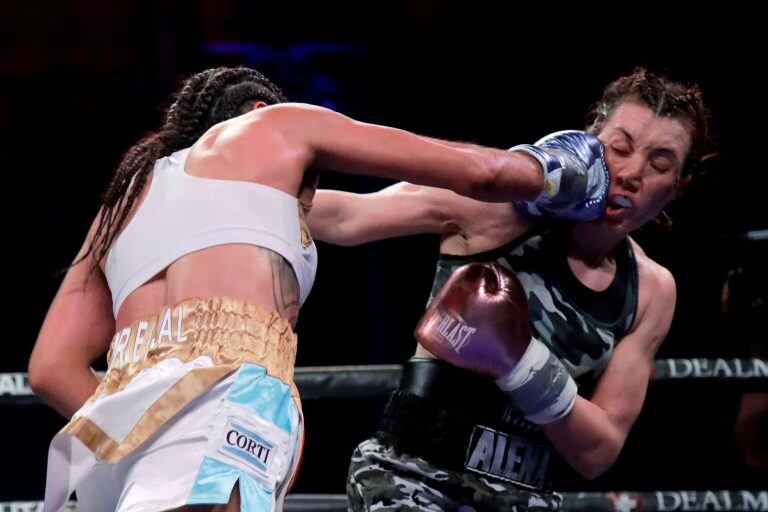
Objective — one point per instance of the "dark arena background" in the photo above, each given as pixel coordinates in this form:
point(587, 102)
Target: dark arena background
point(80, 81)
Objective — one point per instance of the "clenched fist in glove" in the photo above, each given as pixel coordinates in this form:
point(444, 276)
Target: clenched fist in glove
point(576, 179)
point(479, 321)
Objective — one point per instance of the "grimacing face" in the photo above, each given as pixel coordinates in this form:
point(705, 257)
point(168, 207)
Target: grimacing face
point(645, 156)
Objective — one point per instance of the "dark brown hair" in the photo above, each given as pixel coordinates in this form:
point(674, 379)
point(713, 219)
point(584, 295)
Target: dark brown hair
point(667, 98)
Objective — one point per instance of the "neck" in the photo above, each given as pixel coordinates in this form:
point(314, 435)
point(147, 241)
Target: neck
point(591, 244)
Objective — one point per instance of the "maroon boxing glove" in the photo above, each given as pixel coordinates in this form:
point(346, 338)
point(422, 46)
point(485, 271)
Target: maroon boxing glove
point(479, 321)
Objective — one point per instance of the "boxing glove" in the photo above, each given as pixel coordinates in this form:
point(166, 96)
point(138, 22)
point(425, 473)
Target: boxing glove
point(479, 321)
point(576, 178)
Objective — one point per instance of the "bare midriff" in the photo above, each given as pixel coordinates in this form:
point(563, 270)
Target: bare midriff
point(245, 272)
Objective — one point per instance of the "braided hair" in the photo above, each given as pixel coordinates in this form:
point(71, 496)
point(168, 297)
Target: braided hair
point(205, 99)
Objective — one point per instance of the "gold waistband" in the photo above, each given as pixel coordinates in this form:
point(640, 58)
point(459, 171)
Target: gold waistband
point(229, 331)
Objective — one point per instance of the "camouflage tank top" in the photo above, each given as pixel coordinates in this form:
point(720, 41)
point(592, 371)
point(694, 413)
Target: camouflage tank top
point(578, 324)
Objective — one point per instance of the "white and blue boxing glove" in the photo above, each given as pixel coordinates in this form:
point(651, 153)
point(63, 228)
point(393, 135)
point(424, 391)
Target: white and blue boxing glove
point(576, 179)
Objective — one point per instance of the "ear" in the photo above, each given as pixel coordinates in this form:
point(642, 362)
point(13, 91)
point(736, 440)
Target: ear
point(682, 185)
point(258, 105)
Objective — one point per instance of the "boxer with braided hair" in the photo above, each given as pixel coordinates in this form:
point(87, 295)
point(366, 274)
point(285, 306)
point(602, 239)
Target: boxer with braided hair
point(191, 279)
point(530, 301)
point(206, 99)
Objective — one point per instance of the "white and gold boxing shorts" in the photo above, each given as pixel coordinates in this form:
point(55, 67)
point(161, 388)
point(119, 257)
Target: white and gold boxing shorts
point(196, 399)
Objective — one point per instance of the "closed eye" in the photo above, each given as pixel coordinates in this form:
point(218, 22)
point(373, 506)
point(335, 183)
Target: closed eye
point(621, 150)
point(661, 164)
point(662, 160)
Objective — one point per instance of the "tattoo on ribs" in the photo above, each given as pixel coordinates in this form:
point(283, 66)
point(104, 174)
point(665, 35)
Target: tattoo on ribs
point(285, 288)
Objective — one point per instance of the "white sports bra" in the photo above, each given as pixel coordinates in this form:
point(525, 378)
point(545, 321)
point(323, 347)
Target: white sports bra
point(182, 213)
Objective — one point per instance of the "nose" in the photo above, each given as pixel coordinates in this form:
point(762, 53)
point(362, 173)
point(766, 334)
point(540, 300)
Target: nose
point(630, 175)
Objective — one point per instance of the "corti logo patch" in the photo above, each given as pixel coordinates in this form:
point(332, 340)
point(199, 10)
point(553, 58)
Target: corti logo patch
point(247, 446)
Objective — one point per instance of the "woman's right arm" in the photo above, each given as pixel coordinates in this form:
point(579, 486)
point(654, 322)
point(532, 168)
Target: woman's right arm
point(335, 142)
point(76, 331)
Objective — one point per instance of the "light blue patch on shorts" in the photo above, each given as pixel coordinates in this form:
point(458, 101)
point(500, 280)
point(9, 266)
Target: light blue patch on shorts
point(215, 482)
point(256, 421)
point(265, 395)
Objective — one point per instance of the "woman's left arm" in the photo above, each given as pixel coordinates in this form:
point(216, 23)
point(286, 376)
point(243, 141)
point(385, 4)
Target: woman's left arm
point(77, 330)
point(591, 437)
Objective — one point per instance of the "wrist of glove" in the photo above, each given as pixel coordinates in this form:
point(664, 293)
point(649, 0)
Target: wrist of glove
point(539, 385)
point(576, 178)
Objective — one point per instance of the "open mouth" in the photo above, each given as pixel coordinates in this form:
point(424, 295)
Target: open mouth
point(618, 203)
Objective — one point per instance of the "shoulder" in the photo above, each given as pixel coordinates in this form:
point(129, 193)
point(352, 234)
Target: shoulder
point(657, 293)
point(294, 116)
point(274, 136)
point(284, 121)
point(652, 275)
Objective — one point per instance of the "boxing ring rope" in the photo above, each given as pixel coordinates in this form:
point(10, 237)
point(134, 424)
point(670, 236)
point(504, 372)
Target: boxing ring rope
point(574, 501)
point(371, 381)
